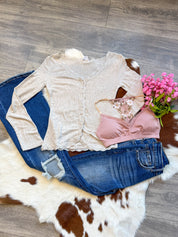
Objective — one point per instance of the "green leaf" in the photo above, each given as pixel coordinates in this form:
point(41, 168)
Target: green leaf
point(161, 122)
point(162, 114)
point(159, 97)
point(155, 106)
point(166, 99)
point(174, 110)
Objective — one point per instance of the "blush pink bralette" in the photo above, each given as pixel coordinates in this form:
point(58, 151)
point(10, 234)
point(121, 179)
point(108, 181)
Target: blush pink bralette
point(112, 130)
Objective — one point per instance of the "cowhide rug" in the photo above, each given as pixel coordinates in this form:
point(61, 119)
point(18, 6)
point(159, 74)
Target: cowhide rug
point(75, 212)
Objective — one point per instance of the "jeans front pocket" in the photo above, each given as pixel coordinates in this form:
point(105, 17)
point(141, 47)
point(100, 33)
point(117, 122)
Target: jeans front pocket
point(145, 158)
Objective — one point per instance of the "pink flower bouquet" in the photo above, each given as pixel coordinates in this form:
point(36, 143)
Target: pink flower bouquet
point(159, 93)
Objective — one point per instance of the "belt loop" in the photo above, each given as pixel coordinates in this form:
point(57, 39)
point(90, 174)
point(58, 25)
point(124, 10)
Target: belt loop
point(134, 142)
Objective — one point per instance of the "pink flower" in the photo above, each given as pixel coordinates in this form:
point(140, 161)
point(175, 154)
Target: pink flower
point(147, 98)
point(147, 103)
point(164, 74)
point(169, 90)
point(171, 75)
point(161, 91)
point(169, 99)
point(175, 95)
point(148, 92)
point(145, 89)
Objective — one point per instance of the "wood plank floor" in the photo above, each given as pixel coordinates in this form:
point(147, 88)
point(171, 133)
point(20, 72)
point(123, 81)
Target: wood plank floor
point(144, 30)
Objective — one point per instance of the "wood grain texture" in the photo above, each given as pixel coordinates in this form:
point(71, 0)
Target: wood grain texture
point(21, 221)
point(89, 12)
point(158, 18)
point(144, 30)
point(161, 210)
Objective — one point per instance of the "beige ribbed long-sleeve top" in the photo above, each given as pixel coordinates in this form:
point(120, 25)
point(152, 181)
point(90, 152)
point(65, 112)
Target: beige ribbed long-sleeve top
point(73, 85)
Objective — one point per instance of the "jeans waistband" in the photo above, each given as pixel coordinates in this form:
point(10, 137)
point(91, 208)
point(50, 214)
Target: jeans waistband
point(137, 142)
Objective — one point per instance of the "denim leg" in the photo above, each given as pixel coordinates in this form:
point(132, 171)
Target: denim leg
point(38, 109)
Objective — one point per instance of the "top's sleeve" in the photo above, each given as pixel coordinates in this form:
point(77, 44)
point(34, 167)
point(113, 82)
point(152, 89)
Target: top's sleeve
point(131, 82)
point(17, 115)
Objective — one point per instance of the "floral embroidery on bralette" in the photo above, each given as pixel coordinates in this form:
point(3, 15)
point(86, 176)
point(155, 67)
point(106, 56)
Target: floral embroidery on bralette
point(124, 106)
